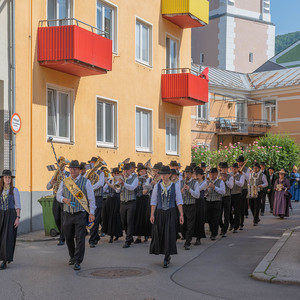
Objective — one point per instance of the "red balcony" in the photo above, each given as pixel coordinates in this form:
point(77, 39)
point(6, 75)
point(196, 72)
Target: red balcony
point(72, 49)
point(181, 87)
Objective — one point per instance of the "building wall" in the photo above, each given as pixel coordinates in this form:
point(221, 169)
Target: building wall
point(236, 20)
point(129, 83)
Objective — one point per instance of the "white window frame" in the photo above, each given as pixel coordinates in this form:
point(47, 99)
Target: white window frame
point(206, 118)
point(71, 10)
point(264, 111)
point(177, 40)
point(150, 112)
point(150, 42)
point(103, 144)
point(114, 8)
point(177, 118)
point(58, 89)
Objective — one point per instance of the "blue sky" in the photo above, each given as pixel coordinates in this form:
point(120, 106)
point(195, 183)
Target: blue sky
point(286, 15)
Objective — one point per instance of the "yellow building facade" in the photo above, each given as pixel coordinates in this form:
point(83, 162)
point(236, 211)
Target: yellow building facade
point(116, 115)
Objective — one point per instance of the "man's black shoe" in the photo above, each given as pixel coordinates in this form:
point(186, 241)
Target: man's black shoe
point(3, 266)
point(77, 267)
point(110, 240)
point(187, 246)
point(198, 242)
point(60, 243)
point(126, 245)
point(71, 262)
point(213, 238)
point(241, 228)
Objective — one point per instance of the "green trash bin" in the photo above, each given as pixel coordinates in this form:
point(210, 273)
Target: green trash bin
point(48, 218)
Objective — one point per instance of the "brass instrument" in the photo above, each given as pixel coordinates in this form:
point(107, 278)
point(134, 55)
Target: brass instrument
point(223, 177)
point(122, 164)
point(149, 167)
point(253, 189)
point(243, 166)
point(91, 174)
point(58, 175)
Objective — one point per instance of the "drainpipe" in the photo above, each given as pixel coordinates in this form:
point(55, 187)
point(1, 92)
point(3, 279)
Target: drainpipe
point(13, 85)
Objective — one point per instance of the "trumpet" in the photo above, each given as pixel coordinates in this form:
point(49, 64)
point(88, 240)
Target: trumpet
point(243, 166)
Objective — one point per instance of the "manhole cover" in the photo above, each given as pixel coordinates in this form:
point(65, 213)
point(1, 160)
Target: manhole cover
point(111, 273)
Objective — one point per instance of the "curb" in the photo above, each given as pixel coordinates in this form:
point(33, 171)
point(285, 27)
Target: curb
point(260, 273)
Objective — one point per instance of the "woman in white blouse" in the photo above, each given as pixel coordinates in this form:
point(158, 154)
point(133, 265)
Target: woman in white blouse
point(10, 208)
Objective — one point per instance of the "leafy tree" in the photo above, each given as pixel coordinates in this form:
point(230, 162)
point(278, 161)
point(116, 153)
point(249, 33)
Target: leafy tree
point(285, 40)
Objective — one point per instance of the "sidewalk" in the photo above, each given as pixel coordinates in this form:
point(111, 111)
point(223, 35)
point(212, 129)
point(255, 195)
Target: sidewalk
point(36, 236)
point(282, 263)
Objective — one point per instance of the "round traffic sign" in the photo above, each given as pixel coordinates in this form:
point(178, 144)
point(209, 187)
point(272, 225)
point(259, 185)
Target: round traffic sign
point(15, 123)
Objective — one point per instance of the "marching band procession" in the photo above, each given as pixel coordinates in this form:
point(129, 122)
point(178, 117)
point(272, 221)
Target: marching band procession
point(157, 202)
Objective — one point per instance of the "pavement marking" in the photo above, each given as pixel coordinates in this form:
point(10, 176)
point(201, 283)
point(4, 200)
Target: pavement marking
point(264, 237)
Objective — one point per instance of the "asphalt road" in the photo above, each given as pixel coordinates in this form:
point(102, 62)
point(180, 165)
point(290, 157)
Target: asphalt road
point(214, 270)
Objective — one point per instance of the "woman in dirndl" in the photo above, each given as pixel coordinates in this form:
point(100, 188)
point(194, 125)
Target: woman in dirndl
point(295, 184)
point(281, 200)
point(10, 208)
point(165, 196)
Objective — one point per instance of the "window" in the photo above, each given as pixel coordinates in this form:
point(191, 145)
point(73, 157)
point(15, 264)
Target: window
point(143, 43)
point(171, 55)
point(270, 110)
point(201, 58)
point(202, 112)
point(106, 21)
point(251, 57)
point(59, 114)
point(106, 128)
point(171, 135)
point(59, 9)
point(143, 132)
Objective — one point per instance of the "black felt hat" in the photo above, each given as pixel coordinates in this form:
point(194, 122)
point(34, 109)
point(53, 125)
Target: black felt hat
point(157, 166)
point(257, 165)
point(140, 167)
point(199, 171)
point(115, 170)
point(127, 167)
point(173, 163)
point(7, 173)
point(203, 165)
point(241, 158)
point(224, 165)
point(188, 169)
point(82, 165)
point(214, 170)
point(132, 163)
point(174, 172)
point(74, 164)
point(93, 159)
point(272, 168)
point(235, 165)
point(165, 170)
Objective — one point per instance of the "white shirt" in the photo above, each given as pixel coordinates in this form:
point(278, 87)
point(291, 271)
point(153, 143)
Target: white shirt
point(203, 185)
point(178, 199)
point(16, 198)
point(196, 191)
point(240, 182)
point(220, 190)
point(247, 175)
point(134, 185)
point(89, 191)
point(100, 182)
point(49, 185)
point(229, 182)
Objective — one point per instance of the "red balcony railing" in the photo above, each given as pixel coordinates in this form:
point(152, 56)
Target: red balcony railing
point(181, 87)
point(66, 47)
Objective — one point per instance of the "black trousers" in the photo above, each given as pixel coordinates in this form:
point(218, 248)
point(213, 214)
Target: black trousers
point(58, 213)
point(263, 200)
point(74, 228)
point(255, 207)
point(236, 200)
point(94, 238)
point(212, 214)
point(187, 228)
point(127, 211)
point(225, 213)
point(271, 199)
point(244, 206)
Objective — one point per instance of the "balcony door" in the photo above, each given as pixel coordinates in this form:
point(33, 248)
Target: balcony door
point(171, 55)
point(59, 9)
point(241, 116)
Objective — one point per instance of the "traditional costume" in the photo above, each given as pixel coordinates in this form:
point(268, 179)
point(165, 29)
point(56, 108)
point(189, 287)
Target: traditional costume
point(9, 204)
point(295, 185)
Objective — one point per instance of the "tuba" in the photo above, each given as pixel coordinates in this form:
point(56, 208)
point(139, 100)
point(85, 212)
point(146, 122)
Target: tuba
point(121, 164)
point(91, 174)
point(58, 175)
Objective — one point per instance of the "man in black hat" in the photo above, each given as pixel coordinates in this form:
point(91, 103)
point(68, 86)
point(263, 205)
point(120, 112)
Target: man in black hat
point(258, 181)
point(190, 192)
point(236, 196)
point(75, 215)
point(128, 202)
point(82, 168)
point(213, 203)
point(57, 208)
point(98, 191)
point(226, 198)
point(265, 190)
point(271, 187)
point(244, 201)
point(156, 177)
